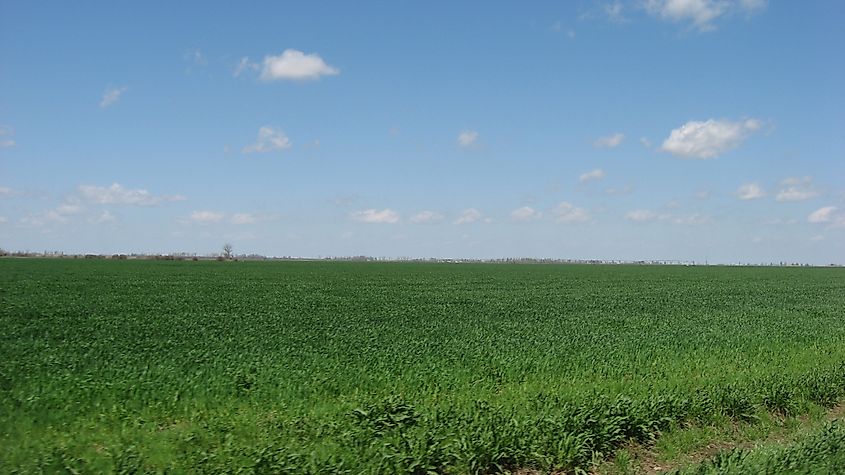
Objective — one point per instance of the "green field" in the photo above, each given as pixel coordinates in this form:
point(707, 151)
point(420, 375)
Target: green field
point(326, 367)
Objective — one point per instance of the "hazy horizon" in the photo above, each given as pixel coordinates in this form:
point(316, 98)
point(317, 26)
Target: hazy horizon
point(692, 130)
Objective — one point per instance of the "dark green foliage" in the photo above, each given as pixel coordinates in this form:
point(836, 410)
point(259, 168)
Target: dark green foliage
point(205, 367)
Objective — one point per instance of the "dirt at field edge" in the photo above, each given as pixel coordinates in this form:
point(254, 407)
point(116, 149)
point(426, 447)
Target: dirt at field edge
point(646, 461)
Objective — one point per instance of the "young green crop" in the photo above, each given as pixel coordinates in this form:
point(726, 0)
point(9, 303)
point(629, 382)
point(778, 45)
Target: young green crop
point(311, 367)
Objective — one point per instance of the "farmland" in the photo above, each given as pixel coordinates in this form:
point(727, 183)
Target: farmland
point(325, 367)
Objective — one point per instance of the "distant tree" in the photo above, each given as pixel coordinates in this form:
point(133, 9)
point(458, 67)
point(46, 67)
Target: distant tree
point(227, 251)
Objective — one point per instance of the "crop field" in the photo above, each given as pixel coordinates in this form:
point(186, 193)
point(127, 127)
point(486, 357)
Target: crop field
point(331, 367)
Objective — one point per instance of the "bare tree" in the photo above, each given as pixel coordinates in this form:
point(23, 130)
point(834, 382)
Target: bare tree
point(227, 251)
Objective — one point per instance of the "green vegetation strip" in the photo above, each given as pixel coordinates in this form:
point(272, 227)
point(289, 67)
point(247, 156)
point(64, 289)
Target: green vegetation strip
point(821, 452)
point(395, 368)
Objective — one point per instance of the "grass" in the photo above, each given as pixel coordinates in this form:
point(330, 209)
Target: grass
point(821, 451)
point(685, 448)
point(384, 367)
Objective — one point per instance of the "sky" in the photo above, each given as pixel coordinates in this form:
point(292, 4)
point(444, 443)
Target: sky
point(697, 130)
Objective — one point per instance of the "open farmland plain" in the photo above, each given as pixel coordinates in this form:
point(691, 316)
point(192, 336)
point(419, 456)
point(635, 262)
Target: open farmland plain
point(327, 367)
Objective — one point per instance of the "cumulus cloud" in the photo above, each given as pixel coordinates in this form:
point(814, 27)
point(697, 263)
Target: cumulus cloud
point(117, 194)
point(386, 215)
point(41, 219)
point(69, 208)
point(6, 139)
point(269, 140)
point(105, 217)
point(194, 59)
point(692, 219)
point(111, 96)
point(469, 215)
point(467, 138)
point(426, 217)
point(750, 191)
point(641, 215)
point(295, 65)
point(700, 13)
point(797, 189)
point(627, 189)
point(59, 215)
point(708, 139)
point(646, 215)
point(526, 213)
point(609, 141)
point(244, 218)
point(591, 175)
point(569, 213)
point(614, 12)
point(245, 65)
point(826, 215)
point(206, 217)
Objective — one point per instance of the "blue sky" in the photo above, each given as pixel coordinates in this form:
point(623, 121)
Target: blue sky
point(653, 129)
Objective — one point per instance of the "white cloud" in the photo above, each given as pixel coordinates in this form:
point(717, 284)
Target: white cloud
point(614, 12)
point(6, 139)
point(591, 175)
point(701, 13)
point(206, 217)
point(708, 139)
point(111, 96)
point(245, 65)
point(645, 215)
point(526, 213)
point(750, 191)
point(822, 215)
point(6, 192)
point(244, 218)
point(627, 189)
point(568, 213)
point(194, 58)
point(53, 216)
point(40, 219)
point(794, 194)
point(467, 138)
point(797, 189)
point(645, 142)
point(69, 208)
point(269, 140)
point(104, 217)
point(558, 27)
point(780, 221)
point(692, 219)
point(609, 141)
point(469, 215)
point(117, 194)
point(641, 215)
point(295, 65)
point(426, 217)
point(3, 219)
point(386, 215)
